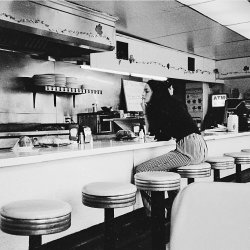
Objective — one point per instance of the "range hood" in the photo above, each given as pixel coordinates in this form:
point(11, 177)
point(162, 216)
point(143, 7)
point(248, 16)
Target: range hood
point(59, 29)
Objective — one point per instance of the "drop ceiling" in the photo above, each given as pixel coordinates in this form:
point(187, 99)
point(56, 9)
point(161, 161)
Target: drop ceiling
point(199, 27)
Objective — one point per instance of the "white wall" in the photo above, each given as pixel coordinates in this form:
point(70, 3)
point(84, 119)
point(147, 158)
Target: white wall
point(16, 100)
point(153, 59)
point(233, 69)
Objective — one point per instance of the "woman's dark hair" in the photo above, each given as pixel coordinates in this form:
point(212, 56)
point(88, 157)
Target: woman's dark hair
point(160, 92)
point(158, 105)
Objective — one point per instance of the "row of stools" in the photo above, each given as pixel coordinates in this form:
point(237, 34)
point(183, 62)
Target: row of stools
point(35, 218)
point(218, 164)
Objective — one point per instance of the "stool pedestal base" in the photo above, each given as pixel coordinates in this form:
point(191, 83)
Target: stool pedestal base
point(238, 173)
point(109, 239)
point(158, 219)
point(35, 241)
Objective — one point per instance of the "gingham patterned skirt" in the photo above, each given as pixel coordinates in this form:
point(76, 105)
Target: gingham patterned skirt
point(192, 149)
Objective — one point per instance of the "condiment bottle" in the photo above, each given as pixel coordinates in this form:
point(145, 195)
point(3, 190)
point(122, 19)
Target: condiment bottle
point(81, 138)
point(94, 105)
point(73, 132)
point(141, 135)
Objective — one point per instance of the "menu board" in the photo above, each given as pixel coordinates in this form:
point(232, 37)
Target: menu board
point(133, 91)
point(194, 100)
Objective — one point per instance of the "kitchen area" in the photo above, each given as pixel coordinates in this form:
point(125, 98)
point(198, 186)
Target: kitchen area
point(70, 113)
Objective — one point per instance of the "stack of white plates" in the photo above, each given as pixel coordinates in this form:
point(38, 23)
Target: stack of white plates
point(44, 79)
point(60, 80)
point(73, 82)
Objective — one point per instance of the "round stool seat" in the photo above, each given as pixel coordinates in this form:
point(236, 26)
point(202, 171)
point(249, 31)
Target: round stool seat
point(108, 194)
point(221, 162)
point(35, 217)
point(157, 181)
point(246, 150)
point(240, 157)
point(195, 171)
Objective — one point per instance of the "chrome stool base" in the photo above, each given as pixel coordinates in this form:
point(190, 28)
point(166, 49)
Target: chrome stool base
point(109, 195)
point(158, 182)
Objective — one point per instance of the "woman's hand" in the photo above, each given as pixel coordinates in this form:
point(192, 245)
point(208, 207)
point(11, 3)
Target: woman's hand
point(143, 105)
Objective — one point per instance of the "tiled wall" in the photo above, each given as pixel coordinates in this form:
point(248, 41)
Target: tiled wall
point(16, 100)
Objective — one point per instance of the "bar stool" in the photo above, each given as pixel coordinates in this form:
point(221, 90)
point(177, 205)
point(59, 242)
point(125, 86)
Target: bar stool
point(195, 171)
point(108, 195)
point(239, 159)
point(35, 218)
point(220, 163)
point(158, 182)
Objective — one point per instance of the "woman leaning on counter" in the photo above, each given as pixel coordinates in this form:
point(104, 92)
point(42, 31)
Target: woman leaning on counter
point(166, 117)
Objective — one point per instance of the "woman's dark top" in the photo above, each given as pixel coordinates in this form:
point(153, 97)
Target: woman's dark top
point(170, 120)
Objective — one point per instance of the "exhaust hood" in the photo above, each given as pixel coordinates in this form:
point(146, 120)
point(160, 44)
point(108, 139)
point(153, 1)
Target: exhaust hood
point(59, 29)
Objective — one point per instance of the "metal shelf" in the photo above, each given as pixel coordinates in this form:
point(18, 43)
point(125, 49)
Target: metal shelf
point(62, 90)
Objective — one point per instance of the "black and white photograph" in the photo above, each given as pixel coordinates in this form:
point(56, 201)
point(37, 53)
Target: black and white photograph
point(124, 125)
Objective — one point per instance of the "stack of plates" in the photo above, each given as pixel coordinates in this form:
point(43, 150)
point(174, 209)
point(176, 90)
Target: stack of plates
point(73, 82)
point(50, 79)
point(60, 80)
point(44, 79)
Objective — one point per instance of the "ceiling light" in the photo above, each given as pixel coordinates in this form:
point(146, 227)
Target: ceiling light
point(159, 78)
point(105, 70)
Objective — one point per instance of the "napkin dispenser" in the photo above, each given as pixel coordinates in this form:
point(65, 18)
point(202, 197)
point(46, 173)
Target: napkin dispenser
point(86, 134)
point(233, 123)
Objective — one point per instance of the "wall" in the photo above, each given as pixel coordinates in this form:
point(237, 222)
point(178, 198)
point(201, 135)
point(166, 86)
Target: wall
point(16, 100)
point(156, 60)
point(233, 74)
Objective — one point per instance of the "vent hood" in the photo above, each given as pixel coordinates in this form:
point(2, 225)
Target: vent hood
point(58, 29)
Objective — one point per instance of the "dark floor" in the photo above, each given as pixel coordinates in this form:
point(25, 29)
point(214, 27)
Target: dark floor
point(132, 231)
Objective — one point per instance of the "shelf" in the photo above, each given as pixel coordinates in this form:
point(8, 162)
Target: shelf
point(62, 90)
point(66, 90)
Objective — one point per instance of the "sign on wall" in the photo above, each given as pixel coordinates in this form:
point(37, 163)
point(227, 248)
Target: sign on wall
point(194, 100)
point(133, 91)
point(218, 100)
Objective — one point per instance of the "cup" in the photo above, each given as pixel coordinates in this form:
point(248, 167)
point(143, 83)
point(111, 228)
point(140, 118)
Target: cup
point(121, 112)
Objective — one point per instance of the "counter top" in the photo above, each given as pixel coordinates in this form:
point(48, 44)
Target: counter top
point(36, 155)
point(214, 135)
point(14, 158)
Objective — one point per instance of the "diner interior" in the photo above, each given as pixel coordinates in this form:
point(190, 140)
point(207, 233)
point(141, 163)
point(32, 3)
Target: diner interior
point(72, 125)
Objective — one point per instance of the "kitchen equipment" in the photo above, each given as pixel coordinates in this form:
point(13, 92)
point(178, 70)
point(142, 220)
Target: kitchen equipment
point(99, 122)
point(85, 134)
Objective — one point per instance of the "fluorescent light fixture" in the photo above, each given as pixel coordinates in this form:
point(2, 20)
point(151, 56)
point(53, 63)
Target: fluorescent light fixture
point(159, 78)
point(105, 70)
